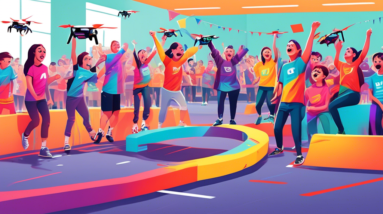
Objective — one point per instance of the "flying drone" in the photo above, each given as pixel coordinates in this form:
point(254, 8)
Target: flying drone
point(203, 40)
point(332, 37)
point(20, 26)
point(170, 32)
point(126, 13)
point(83, 32)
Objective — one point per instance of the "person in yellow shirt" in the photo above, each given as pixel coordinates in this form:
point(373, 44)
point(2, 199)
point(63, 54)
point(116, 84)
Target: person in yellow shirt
point(265, 74)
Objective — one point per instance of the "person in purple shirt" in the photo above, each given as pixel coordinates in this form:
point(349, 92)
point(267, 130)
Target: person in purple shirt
point(226, 82)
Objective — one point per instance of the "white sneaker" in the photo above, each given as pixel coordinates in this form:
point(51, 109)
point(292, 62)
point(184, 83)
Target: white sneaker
point(135, 129)
point(25, 142)
point(182, 124)
point(159, 125)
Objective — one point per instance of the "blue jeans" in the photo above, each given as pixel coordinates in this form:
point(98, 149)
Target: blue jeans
point(312, 124)
point(145, 91)
point(347, 98)
point(295, 110)
point(265, 93)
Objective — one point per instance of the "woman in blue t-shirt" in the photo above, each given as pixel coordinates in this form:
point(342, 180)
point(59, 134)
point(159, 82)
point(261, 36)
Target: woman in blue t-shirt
point(83, 73)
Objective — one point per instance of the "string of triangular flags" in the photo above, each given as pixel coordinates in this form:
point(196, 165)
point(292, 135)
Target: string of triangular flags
point(182, 23)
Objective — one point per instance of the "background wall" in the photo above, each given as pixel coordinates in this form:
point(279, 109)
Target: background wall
point(151, 18)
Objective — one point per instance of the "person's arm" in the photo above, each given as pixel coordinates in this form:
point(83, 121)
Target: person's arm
point(275, 49)
point(152, 54)
point(119, 54)
point(189, 53)
point(160, 49)
point(73, 53)
point(338, 48)
point(256, 74)
point(215, 54)
point(324, 106)
point(240, 54)
point(54, 78)
point(365, 47)
point(309, 45)
point(277, 93)
point(48, 96)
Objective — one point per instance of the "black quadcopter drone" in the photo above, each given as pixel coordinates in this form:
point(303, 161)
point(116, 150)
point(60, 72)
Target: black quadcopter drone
point(169, 32)
point(83, 32)
point(331, 38)
point(203, 40)
point(126, 13)
point(20, 26)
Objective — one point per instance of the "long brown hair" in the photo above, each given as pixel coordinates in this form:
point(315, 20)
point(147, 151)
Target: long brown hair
point(31, 57)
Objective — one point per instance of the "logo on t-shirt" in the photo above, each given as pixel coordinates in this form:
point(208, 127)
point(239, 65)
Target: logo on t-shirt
point(265, 72)
point(316, 98)
point(43, 76)
point(290, 71)
point(348, 70)
point(227, 69)
point(379, 84)
point(176, 70)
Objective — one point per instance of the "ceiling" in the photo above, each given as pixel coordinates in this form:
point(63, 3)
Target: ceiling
point(234, 7)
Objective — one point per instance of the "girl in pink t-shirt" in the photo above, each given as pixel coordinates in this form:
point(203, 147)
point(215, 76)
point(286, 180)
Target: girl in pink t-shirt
point(317, 99)
point(38, 98)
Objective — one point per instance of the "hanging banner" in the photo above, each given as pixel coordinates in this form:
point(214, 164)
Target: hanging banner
point(223, 28)
point(259, 33)
point(172, 15)
point(238, 31)
point(211, 25)
point(251, 32)
point(230, 29)
point(198, 21)
point(182, 23)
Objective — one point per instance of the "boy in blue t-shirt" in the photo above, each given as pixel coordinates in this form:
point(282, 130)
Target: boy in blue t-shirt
point(375, 83)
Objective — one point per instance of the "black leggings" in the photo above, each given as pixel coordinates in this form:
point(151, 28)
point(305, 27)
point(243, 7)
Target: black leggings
point(233, 98)
point(376, 115)
point(34, 108)
point(263, 94)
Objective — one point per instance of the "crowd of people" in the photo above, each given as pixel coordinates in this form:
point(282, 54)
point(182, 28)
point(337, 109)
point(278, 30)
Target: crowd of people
point(113, 77)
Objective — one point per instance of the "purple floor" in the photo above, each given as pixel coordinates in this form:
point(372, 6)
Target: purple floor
point(232, 193)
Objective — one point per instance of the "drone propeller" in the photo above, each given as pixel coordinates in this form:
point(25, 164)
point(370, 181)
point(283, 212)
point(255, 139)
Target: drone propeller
point(14, 20)
point(335, 30)
point(133, 11)
point(163, 29)
point(275, 32)
point(66, 26)
point(26, 19)
point(6, 22)
point(99, 26)
point(195, 36)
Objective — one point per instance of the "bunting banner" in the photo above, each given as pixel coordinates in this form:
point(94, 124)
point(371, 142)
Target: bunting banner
point(182, 23)
point(251, 32)
point(172, 15)
point(198, 21)
point(259, 33)
point(223, 28)
point(211, 25)
point(238, 31)
point(230, 29)
point(219, 27)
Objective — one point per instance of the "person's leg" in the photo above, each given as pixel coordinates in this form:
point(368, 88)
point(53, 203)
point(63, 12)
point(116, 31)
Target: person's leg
point(268, 101)
point(42, 107)
point(70, 110)
point(325, 123)
point(34, 115)
point(179, 98)
point(296, 127)
point(194, 91)
point(166, 97)
point(311, 126)
point(278, 127)
point(221, 103)
point(248, 93)
point(158, 95)
point(15, 101)
point(208, 91)
point(378, 121)
point(346, 99)
point(82, 109)
point(137, 100)
point(233, 99)
point(261, 96)
point(147, 104)
point(203, 95)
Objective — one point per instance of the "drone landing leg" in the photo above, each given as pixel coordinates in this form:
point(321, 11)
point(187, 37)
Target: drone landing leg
point(70, 38)
point(96, 40)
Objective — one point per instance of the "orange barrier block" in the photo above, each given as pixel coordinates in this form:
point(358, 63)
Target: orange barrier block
point(250, 109)
point(346, 151)
point(12, 127)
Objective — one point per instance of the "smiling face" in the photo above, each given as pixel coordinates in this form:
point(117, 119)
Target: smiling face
point(291, 50)
point(378, 62)
point(5, 63)
point(87, 62)
point(229, 53)
point(40, 54)
point(317, 75)
point(266, 54)
point(178, 52)
point(349, 55)
point(115, 47)
point(314, 59)
point(143, 55)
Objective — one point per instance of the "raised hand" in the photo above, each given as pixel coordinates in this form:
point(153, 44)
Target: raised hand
point(152, 33)
point(125, 46)
point(315, 25)
point(369, 32)
point(338, 45)
point(240, 49)
point(57, 76)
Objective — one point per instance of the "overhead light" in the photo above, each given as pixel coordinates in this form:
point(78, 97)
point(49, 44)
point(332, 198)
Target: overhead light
point(199, 8)
point(270, 6)
point(352, 3)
